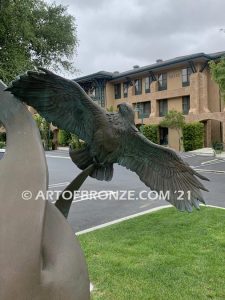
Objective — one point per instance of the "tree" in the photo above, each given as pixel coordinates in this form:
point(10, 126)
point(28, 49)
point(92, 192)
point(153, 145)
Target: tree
point(174, 120)
point(44, 128)
point(218, 74)
point(34, 33)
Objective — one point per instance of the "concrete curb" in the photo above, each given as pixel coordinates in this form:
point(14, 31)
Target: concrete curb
point(63, 149)
point(122, 219)
point(134, 216)
point(221, 155)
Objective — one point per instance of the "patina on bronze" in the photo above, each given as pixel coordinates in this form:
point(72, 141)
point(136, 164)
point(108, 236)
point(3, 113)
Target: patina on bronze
point(64, 204)
point(110, 137)
point(40, 258)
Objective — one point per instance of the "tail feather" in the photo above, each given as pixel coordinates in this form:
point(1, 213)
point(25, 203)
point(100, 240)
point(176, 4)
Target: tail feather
point(103, 172)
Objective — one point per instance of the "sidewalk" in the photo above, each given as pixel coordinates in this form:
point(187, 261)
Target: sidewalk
point(201, 152)
point(63, 149)
point(221, 155)
point(209, 152)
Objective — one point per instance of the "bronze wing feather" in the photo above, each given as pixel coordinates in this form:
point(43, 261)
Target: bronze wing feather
point(162, 170)
point(60, 101)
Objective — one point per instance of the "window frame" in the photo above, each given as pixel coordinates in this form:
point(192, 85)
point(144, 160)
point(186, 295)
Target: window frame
point(139, 90)
point(162, 82)
point(145, 115)
point(163, 102)
point(185, 77)
point(148, 86)
point(117, 91)
point(125, 84)
point(186, 105)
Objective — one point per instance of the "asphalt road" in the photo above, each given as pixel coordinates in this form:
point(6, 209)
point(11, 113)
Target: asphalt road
point(86, 213)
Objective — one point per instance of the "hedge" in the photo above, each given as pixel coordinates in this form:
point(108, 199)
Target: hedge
point(64, 137)
point(193, 136)
point(2, 136)
point(151, 132)
point(2, 145)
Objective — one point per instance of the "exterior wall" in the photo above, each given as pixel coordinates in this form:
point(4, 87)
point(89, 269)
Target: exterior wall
point(174, 79)
point(204, 95)
point(109, 96)
point(214, 95)
point(175, 104)
point(216, 131)
point(173, 140)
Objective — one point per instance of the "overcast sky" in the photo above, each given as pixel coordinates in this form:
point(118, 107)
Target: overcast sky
point(114, 35)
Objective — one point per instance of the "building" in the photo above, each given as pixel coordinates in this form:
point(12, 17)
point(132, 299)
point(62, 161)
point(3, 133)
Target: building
point(182, 83)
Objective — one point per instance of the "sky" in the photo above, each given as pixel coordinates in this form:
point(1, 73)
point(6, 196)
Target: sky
point(115, 35)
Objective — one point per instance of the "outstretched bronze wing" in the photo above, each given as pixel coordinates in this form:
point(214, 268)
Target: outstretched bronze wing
point(162, 170)
point(60, 101)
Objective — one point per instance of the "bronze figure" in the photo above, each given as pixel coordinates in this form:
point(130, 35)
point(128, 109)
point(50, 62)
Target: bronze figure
point(110, 137)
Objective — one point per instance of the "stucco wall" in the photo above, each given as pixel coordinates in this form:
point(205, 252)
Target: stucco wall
point(204, 95)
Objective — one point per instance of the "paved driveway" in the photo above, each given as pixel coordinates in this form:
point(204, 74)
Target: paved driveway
point(86, 213)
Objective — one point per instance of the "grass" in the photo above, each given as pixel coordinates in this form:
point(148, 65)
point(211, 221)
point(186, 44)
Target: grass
point(163, 255)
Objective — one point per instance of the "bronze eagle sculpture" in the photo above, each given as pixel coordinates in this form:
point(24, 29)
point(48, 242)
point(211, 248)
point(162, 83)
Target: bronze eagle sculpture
point(111, 137)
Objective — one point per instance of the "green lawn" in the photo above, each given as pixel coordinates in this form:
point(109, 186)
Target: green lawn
point(163, 255)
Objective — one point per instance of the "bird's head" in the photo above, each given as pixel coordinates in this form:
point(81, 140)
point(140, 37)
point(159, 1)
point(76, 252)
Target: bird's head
point(126, 111)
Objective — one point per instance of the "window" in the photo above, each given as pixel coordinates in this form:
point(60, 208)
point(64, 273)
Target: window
point(186, 76)
point(186, 104)
point(143, 109)
point(163, 107)
point(92, 92)
point(125, 89)
point(137, 87)
point(146, 109)
point(162, 81)
point(148, 82)
point(117, 90)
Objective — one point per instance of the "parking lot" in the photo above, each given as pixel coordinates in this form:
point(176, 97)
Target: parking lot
point(88, 211)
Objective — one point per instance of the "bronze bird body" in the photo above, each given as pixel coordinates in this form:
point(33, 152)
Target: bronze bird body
point(110, 137)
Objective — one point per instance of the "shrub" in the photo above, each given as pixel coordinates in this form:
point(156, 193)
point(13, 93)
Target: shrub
point(2, 145)
point(151, 132)
point(2, 136)
point(64, 137)
point(193, 136)
point(75, 143)
point(217, 146)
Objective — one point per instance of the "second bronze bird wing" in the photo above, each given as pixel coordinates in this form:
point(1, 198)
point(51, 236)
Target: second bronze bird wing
point(162, 170)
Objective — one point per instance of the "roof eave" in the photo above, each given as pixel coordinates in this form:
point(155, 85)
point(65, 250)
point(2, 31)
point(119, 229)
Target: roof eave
point(161, 66)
